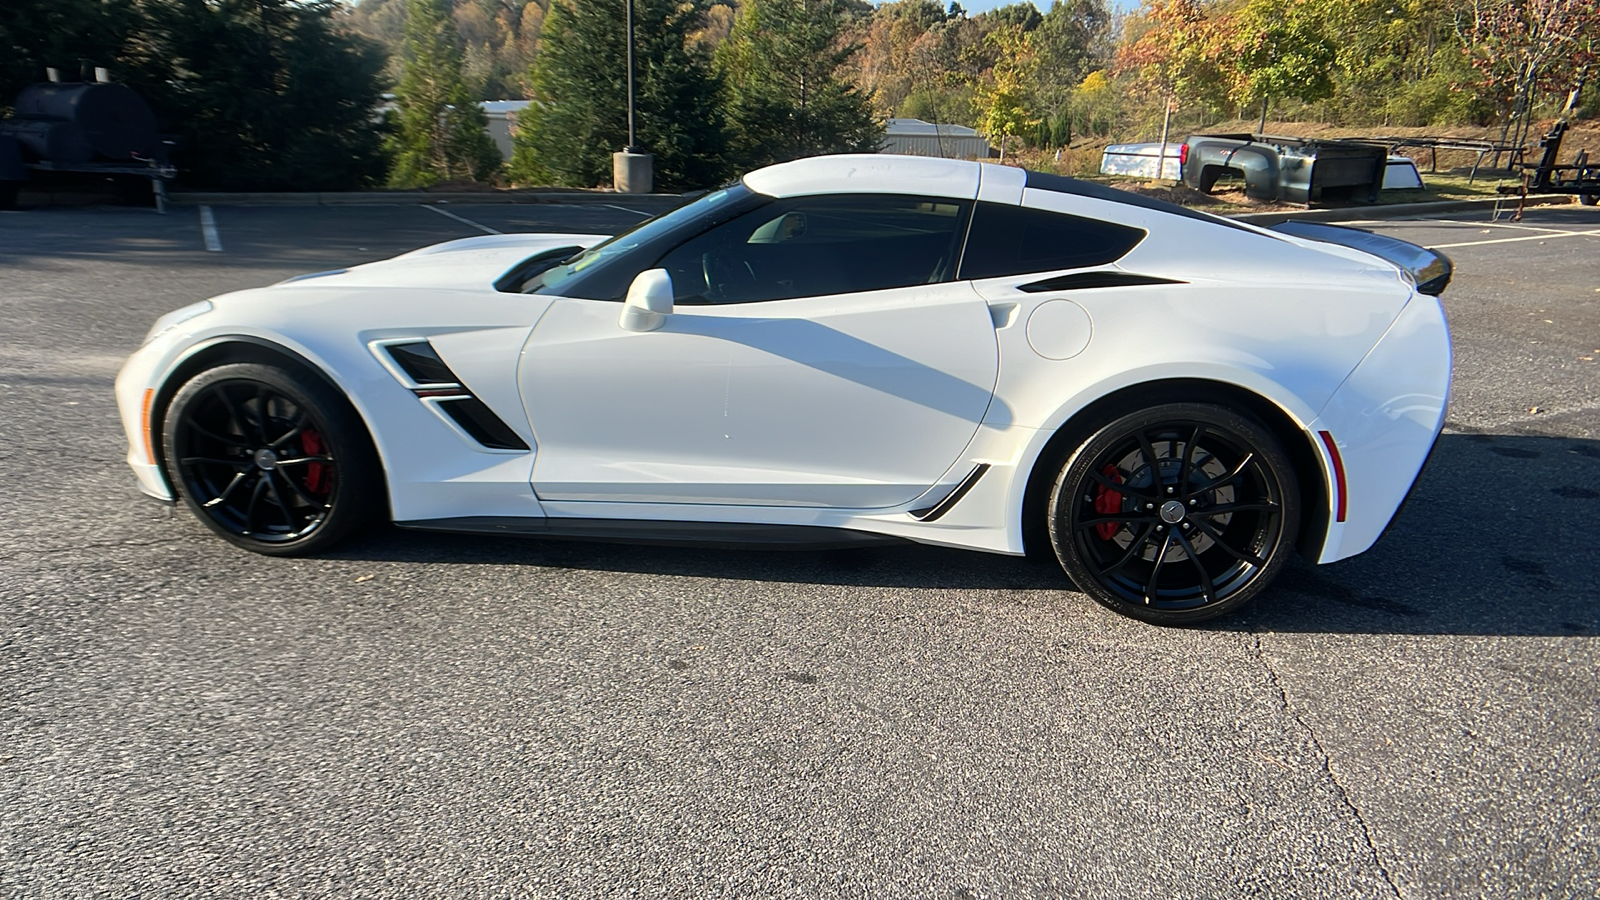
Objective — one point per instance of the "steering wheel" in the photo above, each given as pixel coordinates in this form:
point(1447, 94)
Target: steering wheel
point(726, 279)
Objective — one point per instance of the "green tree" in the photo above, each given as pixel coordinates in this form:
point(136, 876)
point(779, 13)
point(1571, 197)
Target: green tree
point(1004, 104)
point(442, 132)
point(579, 115)
point(39, 33)
point(1069, 43)
point(786, 94)
point(264, 94)
point(1283, 52)
point(261, 94)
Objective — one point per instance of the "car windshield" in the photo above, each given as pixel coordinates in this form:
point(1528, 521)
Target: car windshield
point(550, 280)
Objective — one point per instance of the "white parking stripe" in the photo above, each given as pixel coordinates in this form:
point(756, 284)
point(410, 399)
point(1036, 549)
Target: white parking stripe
point(462, 219)
point(627, 210)
point(1530, 237)
point(208, 230)
point(1500, 225)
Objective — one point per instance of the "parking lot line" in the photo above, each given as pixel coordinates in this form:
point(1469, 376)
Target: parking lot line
point(627, 210)
point(1527, 237)
point(208, 230)
point(462, 219)
point(1499, 225)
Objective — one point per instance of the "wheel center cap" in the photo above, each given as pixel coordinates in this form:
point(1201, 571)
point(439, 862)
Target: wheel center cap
point(1172, 511)
point(266, 459)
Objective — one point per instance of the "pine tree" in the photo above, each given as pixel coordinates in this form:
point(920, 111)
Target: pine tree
point(579, 115)
point(786, 98)
point(442, 132)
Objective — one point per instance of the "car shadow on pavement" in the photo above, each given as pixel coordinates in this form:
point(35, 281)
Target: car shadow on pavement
point(1498, 538)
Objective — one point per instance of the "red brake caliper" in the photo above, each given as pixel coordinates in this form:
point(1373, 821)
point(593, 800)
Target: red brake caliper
point(316, 473)
point(1108, 502)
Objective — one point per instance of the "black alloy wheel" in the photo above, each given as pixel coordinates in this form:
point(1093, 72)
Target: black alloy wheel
point(1176, 514)
point(270, 459)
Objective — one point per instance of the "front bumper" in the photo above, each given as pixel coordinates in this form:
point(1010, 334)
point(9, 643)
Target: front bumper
point(136, 388)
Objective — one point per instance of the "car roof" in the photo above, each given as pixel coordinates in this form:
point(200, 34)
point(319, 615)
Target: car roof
point(869, 173)
point(926, 176)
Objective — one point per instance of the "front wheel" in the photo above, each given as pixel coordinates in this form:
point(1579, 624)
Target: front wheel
point(270, 459)
point(1176, 514)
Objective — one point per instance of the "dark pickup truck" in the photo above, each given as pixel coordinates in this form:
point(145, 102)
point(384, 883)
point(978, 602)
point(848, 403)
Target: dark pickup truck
point(1294, 170)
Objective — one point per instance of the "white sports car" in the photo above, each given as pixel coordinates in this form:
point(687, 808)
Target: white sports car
point(833, 351)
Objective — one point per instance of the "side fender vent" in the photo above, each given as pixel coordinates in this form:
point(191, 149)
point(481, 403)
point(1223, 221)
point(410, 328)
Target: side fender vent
point(934, 512)
point(422, 363)
point(481, 423)
point(419, 368)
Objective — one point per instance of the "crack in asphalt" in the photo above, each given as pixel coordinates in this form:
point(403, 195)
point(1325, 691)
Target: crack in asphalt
point(1326, 760)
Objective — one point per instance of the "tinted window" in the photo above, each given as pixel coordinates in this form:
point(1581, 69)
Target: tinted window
point(604, 271)
point(813, 246)
point(1061, 184)
point(1014, 240)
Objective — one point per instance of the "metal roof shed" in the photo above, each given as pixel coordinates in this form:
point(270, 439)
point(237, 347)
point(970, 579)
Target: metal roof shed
point(918, 138)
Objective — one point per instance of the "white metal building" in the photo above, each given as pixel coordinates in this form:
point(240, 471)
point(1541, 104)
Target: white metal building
point(918, 138)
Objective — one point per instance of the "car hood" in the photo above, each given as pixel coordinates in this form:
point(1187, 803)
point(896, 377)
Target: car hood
point(467, 263)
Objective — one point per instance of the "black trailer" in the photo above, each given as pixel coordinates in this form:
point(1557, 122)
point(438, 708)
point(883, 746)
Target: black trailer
point(1580, 177)
point(94, 128)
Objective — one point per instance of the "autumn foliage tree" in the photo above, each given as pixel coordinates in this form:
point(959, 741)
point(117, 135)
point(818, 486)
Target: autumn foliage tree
point(1184, 55)
point(1523, 47)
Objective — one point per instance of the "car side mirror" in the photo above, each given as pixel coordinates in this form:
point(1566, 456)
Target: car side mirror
point(649, 301)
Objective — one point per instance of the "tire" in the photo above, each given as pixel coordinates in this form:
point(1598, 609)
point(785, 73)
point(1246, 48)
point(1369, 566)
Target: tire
point(1589, 199)
point(1148, 540)
point(271, 459)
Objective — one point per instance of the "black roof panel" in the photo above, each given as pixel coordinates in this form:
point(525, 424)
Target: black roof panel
point(1061, 184)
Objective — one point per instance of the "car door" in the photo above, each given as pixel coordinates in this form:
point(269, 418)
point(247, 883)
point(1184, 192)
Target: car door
point(820, 353)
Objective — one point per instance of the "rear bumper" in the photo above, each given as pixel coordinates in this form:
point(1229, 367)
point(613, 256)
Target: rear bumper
point(1384, 421)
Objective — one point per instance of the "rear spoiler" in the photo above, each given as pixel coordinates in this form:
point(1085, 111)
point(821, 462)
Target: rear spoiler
point(1430, 269)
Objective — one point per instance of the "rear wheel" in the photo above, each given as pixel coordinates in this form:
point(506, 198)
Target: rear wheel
point(1176, 514)
point(271, 459)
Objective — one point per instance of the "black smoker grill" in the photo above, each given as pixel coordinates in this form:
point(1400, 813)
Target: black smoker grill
point(89, 127)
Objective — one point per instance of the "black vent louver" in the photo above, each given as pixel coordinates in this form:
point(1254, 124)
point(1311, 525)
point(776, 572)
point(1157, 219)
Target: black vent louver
point(434, 381)
point(422, 363)
point(481, 423)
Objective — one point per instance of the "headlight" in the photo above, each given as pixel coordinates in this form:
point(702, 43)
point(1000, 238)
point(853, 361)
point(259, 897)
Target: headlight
point(177, 317)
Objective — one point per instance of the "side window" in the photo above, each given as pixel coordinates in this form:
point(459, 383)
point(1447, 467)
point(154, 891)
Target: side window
point(813, 246)
point(1015, 240)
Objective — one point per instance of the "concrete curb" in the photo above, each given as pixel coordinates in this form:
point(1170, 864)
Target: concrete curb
point(402, 198)
point(1398, 210)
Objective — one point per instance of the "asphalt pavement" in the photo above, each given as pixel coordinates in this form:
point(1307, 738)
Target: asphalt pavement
point(430, 715)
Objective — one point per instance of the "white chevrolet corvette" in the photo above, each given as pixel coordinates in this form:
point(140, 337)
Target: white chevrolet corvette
point(833, 351)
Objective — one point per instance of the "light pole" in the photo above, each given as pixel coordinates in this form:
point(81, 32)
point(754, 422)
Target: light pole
point(631, 141)
point(631, 169)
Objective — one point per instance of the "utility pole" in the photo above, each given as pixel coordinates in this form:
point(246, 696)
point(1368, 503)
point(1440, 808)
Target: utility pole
point(631, 148)
point(632, 170)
